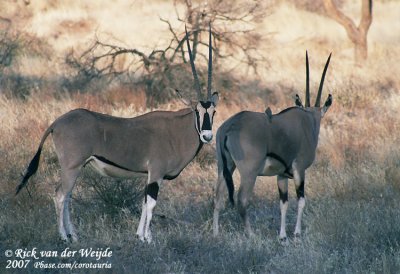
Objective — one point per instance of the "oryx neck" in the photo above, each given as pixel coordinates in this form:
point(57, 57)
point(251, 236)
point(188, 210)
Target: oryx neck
point(189, 113)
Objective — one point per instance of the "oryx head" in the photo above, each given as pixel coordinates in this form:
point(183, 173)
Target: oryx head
point(317, 109)
point(204, 109)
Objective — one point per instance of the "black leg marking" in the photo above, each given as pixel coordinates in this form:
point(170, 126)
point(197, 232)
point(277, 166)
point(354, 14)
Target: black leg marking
point(283, 196)
point(152, 190)
point(300, 190)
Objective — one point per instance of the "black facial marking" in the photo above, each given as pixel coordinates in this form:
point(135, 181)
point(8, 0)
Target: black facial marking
point(198, 119)
point(206, 122)
point(300, 190)
point(152, 190)
point(206, 104)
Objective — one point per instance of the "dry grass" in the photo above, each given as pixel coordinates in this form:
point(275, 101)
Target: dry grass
point(351, 222)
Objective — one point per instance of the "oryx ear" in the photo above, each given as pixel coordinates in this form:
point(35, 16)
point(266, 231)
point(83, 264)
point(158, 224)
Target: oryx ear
point(327, 104)
point(214, 98)
point(186, 101)
point(297, 101)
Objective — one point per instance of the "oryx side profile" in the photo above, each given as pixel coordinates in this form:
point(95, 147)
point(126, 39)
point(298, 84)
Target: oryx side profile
point(262, 144)
point(159, 145)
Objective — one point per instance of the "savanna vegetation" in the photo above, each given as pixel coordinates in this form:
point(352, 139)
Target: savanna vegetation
point(48, 66)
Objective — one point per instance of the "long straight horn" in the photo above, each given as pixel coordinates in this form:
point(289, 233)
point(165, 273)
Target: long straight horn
point(321, 85)
point(307, 82)
point(209, 64)
point(196, 79)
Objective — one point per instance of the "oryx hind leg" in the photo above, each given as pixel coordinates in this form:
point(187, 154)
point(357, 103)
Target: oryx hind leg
point(218, 202)
point(69, 227)
point(283, 204)
point(244, 195)
point(62, 200)
point(299, 177)
point(224, 178)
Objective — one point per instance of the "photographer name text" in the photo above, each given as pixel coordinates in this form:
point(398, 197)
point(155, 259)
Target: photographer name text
point(21, 258)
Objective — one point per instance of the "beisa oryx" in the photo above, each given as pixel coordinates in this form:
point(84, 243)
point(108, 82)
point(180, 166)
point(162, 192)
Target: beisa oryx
point(159, 145)
point(262, 144)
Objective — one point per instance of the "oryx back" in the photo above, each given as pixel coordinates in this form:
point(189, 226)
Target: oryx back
point(159, 145)
point(126, 147)
point(263, 144)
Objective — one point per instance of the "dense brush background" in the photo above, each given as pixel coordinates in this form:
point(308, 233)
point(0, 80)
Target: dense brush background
point(352, 216)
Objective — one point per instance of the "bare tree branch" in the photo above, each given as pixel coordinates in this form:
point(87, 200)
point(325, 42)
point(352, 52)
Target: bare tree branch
point(156, 68)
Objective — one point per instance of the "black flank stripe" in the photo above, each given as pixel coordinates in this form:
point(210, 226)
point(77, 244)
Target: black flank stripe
point(287, 172)
point(104, 160)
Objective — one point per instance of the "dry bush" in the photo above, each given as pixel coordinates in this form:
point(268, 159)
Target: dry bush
point(14, 46)
point(351, 221)
point(314, 5)
point(110, 196)
point(165, 69)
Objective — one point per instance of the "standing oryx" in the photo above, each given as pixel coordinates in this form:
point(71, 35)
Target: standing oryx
point(262, 144)
point(158, 145)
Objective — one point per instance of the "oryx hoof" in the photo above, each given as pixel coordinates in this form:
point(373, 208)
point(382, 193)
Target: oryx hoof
point(143, 239)
point(284, 241)
point(249, 233)
point(297, 238)
point(148, 239)
point(72, 238)
point(140, 237)
point(63, 240)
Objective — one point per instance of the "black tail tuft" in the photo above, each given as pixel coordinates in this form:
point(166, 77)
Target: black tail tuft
point(228, 176)
point(230, 185)
point(32, 168)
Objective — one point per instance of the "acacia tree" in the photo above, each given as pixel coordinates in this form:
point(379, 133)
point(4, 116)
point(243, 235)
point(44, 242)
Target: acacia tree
point(233, 38)
point(356, 34)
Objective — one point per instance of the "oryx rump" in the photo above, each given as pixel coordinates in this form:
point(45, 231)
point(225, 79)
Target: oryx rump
point(158, 145)
point(262, 144)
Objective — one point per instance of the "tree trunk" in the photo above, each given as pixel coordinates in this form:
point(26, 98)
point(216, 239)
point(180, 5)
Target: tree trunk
point(357, 35)
point(361, 50)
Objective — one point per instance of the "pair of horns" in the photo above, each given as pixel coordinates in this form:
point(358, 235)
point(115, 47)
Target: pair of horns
point(321, 84)
point(196, 78)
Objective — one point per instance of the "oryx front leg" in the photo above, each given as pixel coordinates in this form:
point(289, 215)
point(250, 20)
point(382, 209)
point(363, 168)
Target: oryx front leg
point(301, 203)
point(140, 230)
point(150, 201)
point(283, 203)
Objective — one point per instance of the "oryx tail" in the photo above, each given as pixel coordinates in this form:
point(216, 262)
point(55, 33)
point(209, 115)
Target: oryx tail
point(263, 144)
point(223, 155)
point(157, 145)
point(34, 164)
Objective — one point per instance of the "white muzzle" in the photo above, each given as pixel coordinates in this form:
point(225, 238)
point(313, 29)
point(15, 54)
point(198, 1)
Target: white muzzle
point(206, 136)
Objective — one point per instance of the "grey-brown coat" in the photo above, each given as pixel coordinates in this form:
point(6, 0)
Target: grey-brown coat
point(158, 145)
point(262, 144)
